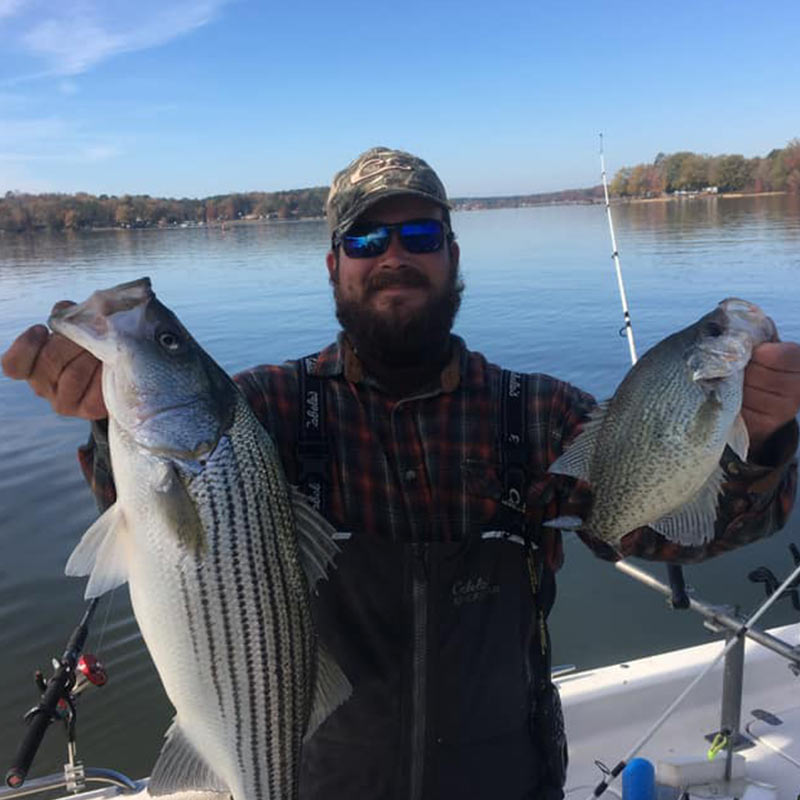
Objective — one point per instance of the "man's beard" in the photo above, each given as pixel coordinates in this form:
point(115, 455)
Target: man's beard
point(413, 339)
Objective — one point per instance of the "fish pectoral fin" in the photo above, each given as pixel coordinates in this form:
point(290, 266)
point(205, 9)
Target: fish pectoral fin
point(577, 458)
point(314, 538)
point(100, 554)
point(180, 768)
point(739, 438)
point(693, 523)
point(564, 523)
point(176, 505)
point(330, 690)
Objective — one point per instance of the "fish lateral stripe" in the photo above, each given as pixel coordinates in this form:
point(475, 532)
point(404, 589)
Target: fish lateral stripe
point(242, 627)
point(287, 717)
point(221, 597)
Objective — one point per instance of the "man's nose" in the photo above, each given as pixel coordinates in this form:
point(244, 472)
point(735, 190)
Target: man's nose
point(396, 255)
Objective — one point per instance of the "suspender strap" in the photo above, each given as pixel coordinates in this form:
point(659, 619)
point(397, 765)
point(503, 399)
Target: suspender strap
point(513, 447)
point(312, 443)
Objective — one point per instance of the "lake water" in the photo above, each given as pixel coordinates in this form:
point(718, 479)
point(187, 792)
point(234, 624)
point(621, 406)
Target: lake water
point(541, 296)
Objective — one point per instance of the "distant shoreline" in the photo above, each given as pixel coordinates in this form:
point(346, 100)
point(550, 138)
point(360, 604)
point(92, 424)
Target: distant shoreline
point(459, 204)
point(667, 198)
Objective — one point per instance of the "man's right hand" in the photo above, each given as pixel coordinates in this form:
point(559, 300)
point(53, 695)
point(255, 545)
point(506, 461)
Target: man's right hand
point(58, 370)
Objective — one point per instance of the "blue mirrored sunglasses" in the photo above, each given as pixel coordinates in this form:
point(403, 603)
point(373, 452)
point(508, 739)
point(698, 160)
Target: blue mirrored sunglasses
point(367, 240)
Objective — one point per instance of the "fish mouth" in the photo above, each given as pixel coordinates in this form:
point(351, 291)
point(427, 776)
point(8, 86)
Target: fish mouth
point(749, 319)
point(87, 323)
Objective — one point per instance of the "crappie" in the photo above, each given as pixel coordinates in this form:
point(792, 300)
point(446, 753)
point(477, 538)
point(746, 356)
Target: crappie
point(651, 453)
point(218, 554)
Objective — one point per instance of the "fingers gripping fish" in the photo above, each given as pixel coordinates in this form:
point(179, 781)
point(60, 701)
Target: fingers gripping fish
point(218, 552)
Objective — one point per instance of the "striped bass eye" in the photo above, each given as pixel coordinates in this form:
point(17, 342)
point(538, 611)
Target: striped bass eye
point(169, 341)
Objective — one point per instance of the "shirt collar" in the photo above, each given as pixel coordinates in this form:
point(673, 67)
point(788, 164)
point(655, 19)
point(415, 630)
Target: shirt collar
point(339, 359)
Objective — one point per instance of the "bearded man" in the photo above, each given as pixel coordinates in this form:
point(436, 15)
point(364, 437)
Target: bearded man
point(432, 464)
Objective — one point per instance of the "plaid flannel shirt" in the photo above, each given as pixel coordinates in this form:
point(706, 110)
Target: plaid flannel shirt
point(427, 467)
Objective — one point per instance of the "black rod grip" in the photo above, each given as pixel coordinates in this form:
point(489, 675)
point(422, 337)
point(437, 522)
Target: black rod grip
point(58, 687)
point(40, 718)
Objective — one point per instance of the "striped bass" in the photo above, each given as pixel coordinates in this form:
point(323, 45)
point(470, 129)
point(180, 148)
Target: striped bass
point(218, 552)
point(651, 454)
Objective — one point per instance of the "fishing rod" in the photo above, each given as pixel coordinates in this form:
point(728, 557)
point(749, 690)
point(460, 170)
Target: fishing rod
point(58, 696)
point(628, 328)
point(680, 598)
point(732, 642)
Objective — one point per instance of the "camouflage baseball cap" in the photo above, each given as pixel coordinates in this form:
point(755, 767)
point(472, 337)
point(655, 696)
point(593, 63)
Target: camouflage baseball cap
point(379, 172)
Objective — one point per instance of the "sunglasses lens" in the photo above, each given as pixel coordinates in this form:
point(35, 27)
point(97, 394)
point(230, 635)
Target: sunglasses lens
point(417, 236)
point(422, 235)
point(366, 244)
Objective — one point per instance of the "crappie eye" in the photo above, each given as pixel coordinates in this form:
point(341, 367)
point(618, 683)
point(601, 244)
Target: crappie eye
point(169, 341)
point(714, 329)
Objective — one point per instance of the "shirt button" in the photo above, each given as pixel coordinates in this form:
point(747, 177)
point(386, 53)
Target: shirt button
point(410, 476)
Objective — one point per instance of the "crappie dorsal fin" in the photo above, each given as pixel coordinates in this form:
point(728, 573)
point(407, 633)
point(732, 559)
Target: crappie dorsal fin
point(100, 553)
point(181, 769)
point(693, 524)
point(577, 458)
point(314, 538)
point(177, 506)
point(330, 690)
point(739, 438)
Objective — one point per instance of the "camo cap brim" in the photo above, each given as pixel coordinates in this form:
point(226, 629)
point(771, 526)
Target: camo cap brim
point(378, 173)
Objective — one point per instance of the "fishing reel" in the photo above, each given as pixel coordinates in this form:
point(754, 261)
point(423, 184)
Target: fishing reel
point(75, 672)
point(87, 672)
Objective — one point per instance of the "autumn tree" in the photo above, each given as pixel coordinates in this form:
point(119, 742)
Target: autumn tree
point(730, 173)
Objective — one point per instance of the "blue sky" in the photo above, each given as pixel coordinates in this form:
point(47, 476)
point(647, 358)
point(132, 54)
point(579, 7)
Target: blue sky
point(199, 97)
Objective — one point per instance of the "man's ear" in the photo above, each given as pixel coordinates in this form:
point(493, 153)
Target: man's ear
point(455, 253)
point(331, 262)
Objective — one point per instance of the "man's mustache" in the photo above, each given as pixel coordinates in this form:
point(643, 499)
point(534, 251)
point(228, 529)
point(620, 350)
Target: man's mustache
point(388, 279)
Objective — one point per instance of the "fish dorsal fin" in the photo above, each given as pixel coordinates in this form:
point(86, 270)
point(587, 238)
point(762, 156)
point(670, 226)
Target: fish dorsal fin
point(181, 769)
point(577, 458)
point(330, 690)
point(314, 538)
point(100, 553)
point(693, 524)
point(739, 438)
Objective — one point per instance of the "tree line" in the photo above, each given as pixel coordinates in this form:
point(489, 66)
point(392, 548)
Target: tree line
point(779, 170)
point(21, 212)
point(593, 194)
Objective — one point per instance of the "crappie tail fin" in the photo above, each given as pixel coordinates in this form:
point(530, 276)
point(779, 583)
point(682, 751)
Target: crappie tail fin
point(181, 769)
point(100, 554)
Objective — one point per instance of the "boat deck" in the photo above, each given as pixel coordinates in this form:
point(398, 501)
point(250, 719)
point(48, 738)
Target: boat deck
point(608, 710)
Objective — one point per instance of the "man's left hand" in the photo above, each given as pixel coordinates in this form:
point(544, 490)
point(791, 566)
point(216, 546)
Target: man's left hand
point(771, 390)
